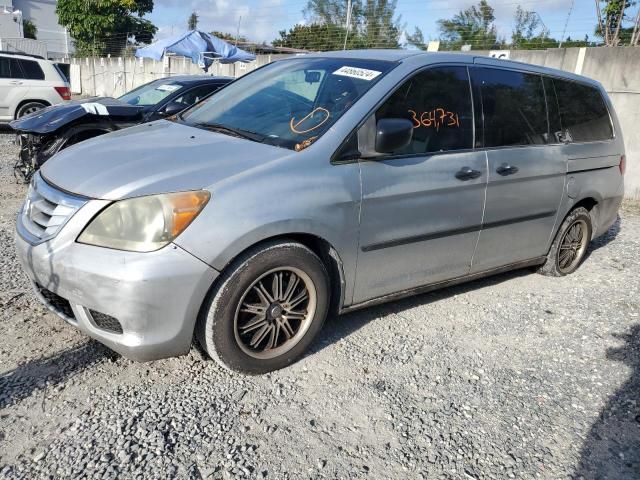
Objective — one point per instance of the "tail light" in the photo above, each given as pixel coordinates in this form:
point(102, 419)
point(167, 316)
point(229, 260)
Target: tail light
point(623, 164)
point(64, 92)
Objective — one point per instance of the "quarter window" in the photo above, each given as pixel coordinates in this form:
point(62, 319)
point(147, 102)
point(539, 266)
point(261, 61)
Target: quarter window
point(513, 106)
point(583, 114)
point(31, 70)
point(438, 102)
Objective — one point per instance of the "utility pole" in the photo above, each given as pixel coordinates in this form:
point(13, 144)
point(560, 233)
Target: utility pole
point(564, 31)
point(346, 35)
point(238, 30)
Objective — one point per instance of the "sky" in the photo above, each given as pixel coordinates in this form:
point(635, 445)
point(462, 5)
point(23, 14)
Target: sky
point(260, 20)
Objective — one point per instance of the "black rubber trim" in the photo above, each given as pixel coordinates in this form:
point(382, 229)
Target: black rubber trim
point(443, 284)
point(455, 231)
point(592, 169)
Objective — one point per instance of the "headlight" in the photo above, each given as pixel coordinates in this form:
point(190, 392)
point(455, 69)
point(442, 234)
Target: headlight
point(144, 224)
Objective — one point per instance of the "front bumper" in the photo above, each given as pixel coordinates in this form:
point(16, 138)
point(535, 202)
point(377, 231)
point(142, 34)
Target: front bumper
point(154, 296)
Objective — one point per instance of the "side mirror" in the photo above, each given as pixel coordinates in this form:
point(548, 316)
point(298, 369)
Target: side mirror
point(393, 134)
point(173, 108)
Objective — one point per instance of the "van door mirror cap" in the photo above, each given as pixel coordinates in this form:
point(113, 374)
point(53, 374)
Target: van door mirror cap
point(393, 134)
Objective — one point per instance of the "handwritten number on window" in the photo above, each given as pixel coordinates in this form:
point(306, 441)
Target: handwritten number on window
point(436, 118)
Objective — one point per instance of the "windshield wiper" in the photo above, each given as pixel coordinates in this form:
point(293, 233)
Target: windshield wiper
point(236, 132)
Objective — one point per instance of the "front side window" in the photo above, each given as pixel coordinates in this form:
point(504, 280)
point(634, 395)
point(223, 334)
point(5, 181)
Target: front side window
point(583, 114)
point(290, 103)
point(195, 95)
point(151, 93)
point(438, 103)
point(5, 71)
point(513, 108)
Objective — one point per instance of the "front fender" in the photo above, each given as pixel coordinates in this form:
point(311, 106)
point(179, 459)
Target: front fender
point(297, 198)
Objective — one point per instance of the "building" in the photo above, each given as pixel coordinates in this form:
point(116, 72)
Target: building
point(42, 13)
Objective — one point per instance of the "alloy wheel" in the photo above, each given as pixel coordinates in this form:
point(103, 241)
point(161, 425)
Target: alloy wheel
point(275, 312)
point(573, 246)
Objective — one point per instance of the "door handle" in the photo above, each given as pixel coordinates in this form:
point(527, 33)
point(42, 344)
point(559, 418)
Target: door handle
point(506, 169)
point(15, 82)
point(467, 173)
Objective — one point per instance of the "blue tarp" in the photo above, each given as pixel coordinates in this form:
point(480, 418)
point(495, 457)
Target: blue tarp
point(199, 47)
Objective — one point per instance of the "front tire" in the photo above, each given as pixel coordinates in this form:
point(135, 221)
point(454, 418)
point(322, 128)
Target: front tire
point(265, 309)
point(29, 108)
point(570, 245)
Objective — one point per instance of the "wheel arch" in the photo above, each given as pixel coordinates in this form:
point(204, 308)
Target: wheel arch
point(591, 204)
point(82, 130)
point(29, 100)
point(318, 245)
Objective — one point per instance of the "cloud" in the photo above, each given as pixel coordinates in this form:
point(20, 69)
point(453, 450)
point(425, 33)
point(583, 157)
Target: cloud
point(260, 20)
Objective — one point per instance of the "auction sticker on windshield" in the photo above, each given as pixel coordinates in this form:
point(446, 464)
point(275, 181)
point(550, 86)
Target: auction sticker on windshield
point(171, 87)
point(355, 72)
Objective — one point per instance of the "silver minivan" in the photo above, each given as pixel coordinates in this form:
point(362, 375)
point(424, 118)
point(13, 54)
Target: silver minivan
point(317, 185)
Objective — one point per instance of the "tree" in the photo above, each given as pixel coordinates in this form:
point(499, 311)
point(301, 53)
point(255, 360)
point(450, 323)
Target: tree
point(473, 26)
point(317, 36)
point(380, 28)
point(192, 23)
point(417, 39)
point(526, 23)
point(611, 15)
point(228, 37)
point(106, 26)
point(372, 24)
point(29, 29)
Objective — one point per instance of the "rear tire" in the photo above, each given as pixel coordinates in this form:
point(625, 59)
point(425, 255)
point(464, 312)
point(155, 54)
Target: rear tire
point(29, 108)
point(570, 245)
point(265, 309)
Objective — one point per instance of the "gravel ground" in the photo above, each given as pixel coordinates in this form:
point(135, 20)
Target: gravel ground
point(517, 376)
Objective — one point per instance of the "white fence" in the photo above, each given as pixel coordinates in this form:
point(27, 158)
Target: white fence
point(113, 76)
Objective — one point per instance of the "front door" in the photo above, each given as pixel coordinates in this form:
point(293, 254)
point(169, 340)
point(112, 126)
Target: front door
point(422, 207)
point(527, 167)
point(12, 90)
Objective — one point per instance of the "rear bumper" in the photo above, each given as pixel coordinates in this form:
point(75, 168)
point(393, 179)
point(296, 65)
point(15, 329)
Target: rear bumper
point(155, 297)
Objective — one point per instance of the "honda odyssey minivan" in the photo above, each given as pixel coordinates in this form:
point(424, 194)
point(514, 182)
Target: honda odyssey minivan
point(317, 185)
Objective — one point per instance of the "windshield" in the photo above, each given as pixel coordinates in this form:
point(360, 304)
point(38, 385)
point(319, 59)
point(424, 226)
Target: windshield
point(290, 103)
point(150, 93)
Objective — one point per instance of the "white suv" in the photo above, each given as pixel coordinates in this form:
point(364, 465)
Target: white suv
point(29, 83)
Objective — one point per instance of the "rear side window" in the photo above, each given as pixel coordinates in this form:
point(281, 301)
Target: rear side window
point(438, 102)
point(31, 70)
point(583, 114)
point(9, 68)
point(513, 107)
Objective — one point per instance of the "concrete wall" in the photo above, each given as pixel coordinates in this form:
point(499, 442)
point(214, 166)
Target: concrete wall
point(618, 69)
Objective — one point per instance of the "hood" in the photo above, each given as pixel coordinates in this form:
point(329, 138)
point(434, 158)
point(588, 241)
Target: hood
point(50, 119)
point(151, 158)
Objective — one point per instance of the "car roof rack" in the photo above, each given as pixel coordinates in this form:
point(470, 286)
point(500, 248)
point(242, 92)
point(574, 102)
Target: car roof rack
point(6, 52)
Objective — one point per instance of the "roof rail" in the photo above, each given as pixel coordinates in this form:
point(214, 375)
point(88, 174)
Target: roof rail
point(6, 52)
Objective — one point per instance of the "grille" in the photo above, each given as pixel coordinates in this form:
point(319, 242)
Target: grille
point(106, 322)
point(46, 210)
point(55, 301)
